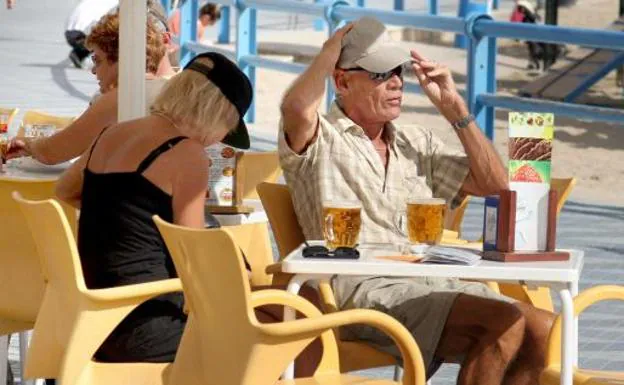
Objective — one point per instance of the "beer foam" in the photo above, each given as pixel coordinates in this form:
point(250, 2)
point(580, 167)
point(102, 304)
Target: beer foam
point(427, 201)
point(342, 204)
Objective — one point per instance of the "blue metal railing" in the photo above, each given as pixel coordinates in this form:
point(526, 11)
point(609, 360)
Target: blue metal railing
point(481, 30)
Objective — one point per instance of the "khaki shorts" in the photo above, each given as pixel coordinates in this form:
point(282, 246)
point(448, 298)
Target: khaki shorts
point(422, 305)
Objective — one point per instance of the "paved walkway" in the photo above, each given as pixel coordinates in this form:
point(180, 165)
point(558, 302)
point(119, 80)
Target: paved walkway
point(35, 74)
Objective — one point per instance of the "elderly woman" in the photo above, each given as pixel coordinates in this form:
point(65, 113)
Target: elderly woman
point(152, 166)
point(103, 40)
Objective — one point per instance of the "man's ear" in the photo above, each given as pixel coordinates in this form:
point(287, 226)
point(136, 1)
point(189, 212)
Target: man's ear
point(340, 81)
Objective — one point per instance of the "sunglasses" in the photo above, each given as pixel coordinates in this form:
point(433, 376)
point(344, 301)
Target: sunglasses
point(323, 252)
point(380, 76)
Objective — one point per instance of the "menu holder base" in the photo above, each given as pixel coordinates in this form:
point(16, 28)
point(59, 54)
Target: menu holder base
point(238, 209)
point(526, 256)
point(505, 237)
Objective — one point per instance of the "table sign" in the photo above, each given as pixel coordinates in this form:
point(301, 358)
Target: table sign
point(520, 223)
point(225, 180)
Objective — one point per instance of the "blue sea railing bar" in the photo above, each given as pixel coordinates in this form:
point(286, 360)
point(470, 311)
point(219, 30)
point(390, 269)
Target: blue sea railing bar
point(481, 65)
point(595, 38)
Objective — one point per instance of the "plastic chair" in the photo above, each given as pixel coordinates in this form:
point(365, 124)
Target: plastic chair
point(258, 167)
point(455, 217)
point(254, 241)
point(235, 348)
point(552, 374)
point(21, 280)
point(73, 321)
point(37, 117)
point(278, 205)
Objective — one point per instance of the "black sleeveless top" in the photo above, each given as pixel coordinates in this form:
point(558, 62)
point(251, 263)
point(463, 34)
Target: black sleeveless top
point(118, 241)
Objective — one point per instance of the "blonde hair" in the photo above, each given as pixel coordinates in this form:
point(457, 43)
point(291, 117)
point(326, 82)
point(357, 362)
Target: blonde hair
point(196, 105)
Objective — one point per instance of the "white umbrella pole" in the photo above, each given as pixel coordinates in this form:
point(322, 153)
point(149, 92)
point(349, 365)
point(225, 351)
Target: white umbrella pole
point(131, 101)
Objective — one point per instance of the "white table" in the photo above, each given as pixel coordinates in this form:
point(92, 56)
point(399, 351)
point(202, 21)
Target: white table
point(562, 277)
point(12, 170)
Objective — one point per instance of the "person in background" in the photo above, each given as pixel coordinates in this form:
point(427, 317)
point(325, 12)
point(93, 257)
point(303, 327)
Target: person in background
point(79, 23)
point(75, 139)
point(209, 14)
point(10, 4)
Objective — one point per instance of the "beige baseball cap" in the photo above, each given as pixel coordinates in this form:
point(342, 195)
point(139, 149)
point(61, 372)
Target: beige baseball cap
point(368, 45)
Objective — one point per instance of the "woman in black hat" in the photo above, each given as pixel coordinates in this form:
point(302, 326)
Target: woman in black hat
point(153, 166)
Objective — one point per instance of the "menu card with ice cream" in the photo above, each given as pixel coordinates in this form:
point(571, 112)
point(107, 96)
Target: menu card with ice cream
point(225, 172)
point(221, 177)
point(530, 153)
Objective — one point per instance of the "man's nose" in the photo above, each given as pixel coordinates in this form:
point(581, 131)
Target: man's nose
point(395, 82)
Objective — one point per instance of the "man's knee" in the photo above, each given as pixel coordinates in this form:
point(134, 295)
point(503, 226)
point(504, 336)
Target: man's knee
point(509, 330)
point(538, 325)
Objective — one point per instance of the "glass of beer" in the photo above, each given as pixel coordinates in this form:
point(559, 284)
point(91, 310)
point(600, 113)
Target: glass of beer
point(341, 223)
point(423, 220)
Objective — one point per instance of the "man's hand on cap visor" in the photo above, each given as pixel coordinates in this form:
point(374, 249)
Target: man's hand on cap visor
point(333, 45)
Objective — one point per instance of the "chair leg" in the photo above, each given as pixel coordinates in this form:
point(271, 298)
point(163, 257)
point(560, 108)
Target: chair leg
point(4, 358)
point(398, 373)
point(24, 339)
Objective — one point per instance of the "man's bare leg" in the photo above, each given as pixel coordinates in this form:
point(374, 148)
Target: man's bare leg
point(487, 333)
point(531, 358)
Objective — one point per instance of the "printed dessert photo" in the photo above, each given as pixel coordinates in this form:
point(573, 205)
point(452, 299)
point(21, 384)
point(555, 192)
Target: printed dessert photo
point(529, 171)
point(530, 149)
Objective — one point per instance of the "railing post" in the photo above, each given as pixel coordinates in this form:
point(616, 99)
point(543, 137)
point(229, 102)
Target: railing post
point(319, 24)
point(332, 25)
point(399, 5)
point(188, 29)
point(167, 6)
point(481, 75)
point(224, 26)
point(495, 4)
point(246, 45)
point(433, 7)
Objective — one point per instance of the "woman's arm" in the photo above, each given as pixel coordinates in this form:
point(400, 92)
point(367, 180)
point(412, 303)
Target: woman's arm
point(74, 139)
point(189, 185)
point(69, 186)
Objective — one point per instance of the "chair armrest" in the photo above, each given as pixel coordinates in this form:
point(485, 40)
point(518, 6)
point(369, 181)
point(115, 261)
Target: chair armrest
point(581, 302)
point(273, 268)
point(134, 293)
point(318, 324)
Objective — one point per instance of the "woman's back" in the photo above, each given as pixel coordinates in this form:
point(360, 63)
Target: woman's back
point(118, 242)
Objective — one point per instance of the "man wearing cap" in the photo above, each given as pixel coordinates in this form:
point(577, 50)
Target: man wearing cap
point(356, 152)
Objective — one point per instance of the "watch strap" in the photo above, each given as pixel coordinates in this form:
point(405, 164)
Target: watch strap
point(464, 122)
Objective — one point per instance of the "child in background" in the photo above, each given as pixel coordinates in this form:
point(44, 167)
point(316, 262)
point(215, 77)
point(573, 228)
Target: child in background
point(526, 11)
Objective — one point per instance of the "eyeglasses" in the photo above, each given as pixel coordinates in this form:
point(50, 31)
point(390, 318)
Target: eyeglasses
point(380, 76)
point(323, 252)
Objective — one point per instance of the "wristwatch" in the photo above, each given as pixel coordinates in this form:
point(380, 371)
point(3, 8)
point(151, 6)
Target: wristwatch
point(463, 122)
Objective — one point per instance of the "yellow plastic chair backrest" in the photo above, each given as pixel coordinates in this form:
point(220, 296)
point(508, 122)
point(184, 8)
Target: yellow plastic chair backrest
point(21, 279)
point(455, 216)
point(37, 117)
point(564, 187)
point(222, 325)
point(254, 241)
point(258, 167)
point(278, 205)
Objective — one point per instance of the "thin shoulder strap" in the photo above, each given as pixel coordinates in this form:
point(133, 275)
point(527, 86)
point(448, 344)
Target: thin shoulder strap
point(94, 143)
point(157, 151)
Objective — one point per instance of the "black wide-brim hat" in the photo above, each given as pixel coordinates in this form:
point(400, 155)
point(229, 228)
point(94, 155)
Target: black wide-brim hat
point(234, 85)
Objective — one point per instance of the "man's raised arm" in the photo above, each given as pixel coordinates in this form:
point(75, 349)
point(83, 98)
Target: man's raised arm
point(301, 101)
point(487, 173)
